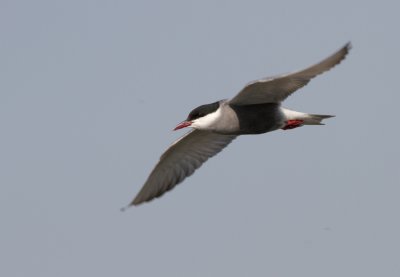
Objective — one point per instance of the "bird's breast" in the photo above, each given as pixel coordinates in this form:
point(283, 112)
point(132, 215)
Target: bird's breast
point(228, 121)
point(259, 118)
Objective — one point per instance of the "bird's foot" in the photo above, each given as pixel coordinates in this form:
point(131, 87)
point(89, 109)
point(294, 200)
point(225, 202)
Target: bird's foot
point(291, 124)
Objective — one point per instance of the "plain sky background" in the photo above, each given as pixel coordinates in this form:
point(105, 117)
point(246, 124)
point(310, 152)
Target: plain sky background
point(89, 94)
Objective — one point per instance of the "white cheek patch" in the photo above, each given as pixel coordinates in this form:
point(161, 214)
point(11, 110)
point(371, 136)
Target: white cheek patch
point(206, 122)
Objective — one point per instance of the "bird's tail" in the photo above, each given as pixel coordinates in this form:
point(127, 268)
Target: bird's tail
point(304, 118)
point(315, 119)
point(295, 119)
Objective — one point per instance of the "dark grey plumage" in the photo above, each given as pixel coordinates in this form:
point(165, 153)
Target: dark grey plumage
point(255, 109)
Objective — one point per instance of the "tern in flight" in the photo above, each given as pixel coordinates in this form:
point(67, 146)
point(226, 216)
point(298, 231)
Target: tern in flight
point(256, 109)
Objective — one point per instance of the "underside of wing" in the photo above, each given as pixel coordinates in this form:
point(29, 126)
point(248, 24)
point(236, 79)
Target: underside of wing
point(180, 160)
point(278, 88)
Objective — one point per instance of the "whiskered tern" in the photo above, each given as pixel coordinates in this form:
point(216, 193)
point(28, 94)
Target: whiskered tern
point(256, 109)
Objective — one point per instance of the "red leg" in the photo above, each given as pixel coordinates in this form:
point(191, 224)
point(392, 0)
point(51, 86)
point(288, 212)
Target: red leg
point(291, 124)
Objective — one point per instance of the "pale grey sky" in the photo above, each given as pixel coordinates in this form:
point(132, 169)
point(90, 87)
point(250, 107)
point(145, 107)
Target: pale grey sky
point(89, 94)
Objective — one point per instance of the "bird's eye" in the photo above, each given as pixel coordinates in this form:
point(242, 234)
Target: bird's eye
point(194, 116)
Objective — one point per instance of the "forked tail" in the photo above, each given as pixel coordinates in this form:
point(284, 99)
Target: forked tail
point(295, 119)
point(315, 119)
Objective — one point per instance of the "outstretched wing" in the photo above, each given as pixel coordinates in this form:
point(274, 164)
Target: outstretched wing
point(180, 160)
point(278, 88)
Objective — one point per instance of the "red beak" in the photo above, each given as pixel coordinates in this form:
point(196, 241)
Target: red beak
point(183, 124)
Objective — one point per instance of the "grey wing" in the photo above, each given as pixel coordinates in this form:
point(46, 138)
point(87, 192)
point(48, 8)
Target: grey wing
point(180, 160)
point(278, 88)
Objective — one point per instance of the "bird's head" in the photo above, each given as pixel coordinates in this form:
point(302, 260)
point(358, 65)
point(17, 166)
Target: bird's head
point(201, 117)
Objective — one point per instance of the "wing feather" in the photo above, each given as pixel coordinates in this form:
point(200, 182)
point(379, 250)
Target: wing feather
point(180, 160)
point(278, 88)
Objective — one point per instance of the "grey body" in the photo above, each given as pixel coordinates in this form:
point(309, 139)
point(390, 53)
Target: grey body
point(256, 109)
point(247, 119)
point(258, 118)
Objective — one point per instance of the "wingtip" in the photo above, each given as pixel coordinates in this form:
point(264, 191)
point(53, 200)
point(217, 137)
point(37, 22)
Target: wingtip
point(348, 46)
point(137, 201)
point(133, 203)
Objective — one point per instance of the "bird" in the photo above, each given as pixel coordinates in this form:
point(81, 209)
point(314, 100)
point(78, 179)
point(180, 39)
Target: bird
point(256, 109)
